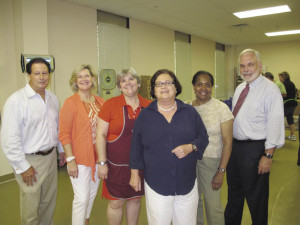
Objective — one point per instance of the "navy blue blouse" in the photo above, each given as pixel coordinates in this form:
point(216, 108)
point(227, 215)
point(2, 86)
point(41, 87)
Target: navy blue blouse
point(153, 140)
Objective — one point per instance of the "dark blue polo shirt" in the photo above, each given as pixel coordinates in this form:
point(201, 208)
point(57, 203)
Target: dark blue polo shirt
point(153, 140)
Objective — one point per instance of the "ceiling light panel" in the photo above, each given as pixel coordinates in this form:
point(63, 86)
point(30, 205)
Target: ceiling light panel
point(263, 11)
point(279, 33)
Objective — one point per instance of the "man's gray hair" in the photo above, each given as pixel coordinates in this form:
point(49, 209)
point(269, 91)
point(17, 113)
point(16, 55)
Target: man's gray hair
point(256, 53)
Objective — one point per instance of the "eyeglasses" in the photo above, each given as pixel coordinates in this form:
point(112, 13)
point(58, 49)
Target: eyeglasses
point(166, 83)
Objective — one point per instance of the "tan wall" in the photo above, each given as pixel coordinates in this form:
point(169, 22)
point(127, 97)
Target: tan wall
point(71, 39)
point(203, 56)
point(72, 31)
point(230, 68)
point(278, 57)
point(151, 47)
point(8, 74)
point(35, 32)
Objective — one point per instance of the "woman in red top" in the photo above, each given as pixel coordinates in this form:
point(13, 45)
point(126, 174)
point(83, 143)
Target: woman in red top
point(78, 127)
point(115, 125)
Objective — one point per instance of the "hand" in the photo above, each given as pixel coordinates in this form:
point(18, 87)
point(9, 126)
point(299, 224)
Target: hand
point(62, 159)
point(73, 169)
point(135, 182)
point(217, 181)
point(264, 165)
point(102, 171)
point(29, 175)
point(182, 150)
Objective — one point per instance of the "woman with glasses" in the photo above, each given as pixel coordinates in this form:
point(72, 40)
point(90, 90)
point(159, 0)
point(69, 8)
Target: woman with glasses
point(218, 121)
point(168, 138)
point(116, 120)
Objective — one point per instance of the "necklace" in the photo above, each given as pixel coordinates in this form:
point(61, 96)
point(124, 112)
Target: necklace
point(87, 100)
point(166, 110)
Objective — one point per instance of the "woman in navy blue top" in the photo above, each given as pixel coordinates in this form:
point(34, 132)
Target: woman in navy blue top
point(168, 138)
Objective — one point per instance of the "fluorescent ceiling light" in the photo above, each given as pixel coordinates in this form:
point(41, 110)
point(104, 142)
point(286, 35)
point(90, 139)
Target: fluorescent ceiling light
point(263, 11)
point(288, 32)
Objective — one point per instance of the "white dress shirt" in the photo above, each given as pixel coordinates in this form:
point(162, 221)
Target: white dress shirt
point(29, 124)
point(261, 115)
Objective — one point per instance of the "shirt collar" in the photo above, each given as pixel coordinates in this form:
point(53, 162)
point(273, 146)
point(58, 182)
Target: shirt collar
point(30, 92)
point(256, 81)
point(141, 100)
point(180, 104)
point(210, 101)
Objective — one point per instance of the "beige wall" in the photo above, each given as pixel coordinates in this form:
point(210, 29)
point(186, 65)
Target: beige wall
point(278, 57)
point(230, 70)
point(151, 47)
point(8, 74)
point(203, 56)
point(72, 31)
point(71, 39)
point(35, 32)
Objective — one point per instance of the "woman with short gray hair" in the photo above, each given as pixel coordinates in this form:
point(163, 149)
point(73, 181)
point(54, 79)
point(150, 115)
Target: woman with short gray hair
point(116, 120)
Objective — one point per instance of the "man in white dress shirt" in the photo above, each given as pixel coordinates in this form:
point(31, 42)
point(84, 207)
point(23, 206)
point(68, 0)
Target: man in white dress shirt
point(258, 129)
point(29, 138)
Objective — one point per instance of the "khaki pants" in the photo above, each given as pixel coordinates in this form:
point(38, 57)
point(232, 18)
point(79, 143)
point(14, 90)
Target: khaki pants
point(206, 170)
point(37, 202)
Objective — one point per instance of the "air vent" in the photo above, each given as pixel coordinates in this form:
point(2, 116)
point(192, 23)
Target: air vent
point(242, 25)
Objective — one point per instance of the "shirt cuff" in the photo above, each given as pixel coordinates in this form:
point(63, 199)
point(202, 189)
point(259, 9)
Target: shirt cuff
point(21, 166)
point(138, 166)
point(270, 145)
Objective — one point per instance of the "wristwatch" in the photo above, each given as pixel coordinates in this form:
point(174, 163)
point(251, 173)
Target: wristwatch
point(102, 163)
point(268, 155)
point(221, 169)
point(194, 147)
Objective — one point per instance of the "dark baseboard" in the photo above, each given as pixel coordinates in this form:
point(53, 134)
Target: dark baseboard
point(7, 177)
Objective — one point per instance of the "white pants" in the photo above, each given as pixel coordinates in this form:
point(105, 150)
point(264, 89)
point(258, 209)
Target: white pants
point(178, 209)
point(85, 191)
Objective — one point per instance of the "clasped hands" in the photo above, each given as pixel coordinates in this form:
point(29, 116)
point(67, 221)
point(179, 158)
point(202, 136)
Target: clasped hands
point(182, 151)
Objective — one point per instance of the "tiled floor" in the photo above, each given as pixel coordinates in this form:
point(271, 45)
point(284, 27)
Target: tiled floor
point(284, 202)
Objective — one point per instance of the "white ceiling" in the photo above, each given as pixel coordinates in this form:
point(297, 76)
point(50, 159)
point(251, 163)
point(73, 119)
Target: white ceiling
point(210, 19)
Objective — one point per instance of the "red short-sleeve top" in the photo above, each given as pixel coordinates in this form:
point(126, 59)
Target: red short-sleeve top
point(112, 112)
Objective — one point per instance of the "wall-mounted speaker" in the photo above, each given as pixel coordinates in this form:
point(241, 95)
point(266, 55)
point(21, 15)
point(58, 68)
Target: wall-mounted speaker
point(107, 79)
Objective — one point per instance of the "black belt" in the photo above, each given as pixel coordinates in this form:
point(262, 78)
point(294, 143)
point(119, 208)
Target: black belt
point(43, 153)
point(248, 141)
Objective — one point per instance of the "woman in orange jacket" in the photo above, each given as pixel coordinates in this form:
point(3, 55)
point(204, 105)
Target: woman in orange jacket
point(78, 126)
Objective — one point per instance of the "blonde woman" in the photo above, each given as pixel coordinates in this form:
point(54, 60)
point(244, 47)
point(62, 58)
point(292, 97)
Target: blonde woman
point(78, 126)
